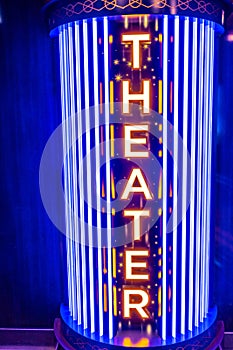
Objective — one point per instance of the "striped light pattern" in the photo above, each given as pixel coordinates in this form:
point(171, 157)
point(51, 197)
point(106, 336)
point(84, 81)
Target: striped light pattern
point(75, 42)
point(164, 240)
point(193, 62)
point(183, 96)
point(97, 157)
point(175, 179)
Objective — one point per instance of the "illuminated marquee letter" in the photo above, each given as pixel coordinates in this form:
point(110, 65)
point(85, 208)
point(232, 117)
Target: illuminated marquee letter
point(135, 39)
point(137, 214)
point(130, 265)
point(129, 141)
point(136, 174)
point(144, 97)
point(139, 306)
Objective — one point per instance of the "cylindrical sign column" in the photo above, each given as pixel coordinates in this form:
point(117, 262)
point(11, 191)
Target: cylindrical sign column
point(137, 111)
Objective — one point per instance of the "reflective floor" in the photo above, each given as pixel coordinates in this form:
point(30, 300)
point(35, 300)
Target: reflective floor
point(49, 342)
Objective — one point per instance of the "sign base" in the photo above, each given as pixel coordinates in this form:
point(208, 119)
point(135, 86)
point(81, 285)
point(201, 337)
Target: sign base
point(69, 339)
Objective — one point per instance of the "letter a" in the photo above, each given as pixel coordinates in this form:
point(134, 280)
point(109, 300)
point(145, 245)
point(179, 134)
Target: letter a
point(143, 188)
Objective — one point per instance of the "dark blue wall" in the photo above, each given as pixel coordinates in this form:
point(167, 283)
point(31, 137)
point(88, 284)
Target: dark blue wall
point(30, 247)
point(31, 267)
point(224, 188)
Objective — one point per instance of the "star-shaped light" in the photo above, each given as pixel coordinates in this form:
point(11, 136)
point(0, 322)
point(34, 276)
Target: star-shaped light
point(149, 59)
point(118, 77)
point(116, 62)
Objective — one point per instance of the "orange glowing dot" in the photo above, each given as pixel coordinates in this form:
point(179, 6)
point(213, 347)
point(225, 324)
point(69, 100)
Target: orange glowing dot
point(110, 39)
point(114, 301)
point(103, 190)
point(113, 186)
point(170, 190)
point(169, 293)
point(160, 186)
point(114, 262)
point(160, 106)
point(104, 261)
point(159, 302)
point(105, 298)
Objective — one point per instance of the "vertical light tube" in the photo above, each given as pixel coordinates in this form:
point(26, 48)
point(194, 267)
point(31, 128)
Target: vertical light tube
point(184, 172)
point(74, 178)
point(61, 47)
point(175, 183)
point(81, 182)
point(199, 172)
point(108, 197)
point(69, 164)
point(98, 196)
point(164, 267)
point(89, 174)
point(204, 173)
point(193, 174)
point(209, 168)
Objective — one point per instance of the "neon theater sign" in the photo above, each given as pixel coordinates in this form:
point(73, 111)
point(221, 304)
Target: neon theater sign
point(137, 104)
